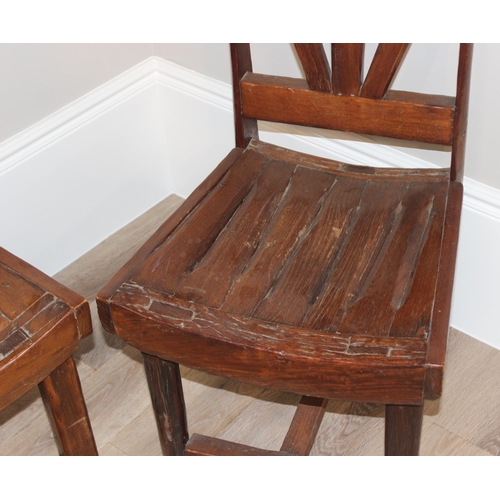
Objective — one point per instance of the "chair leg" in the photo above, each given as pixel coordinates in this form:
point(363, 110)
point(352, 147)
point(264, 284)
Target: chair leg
point(403, 427)
point(63, 399)
point(165, 387)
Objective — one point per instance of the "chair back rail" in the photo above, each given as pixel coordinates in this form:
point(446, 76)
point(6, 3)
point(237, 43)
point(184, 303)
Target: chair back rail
point(337, 98)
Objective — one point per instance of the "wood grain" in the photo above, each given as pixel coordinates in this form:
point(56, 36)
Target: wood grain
point(347, 67)
point(385, 64)
point(315, 66)
point(289, 100)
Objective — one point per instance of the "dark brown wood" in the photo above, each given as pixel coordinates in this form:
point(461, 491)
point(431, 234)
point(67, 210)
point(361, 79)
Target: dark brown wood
point(289, 100)
point(63, 399)
point(347, 68)
point(204, 446)
point(461, 112)
point(303, 274)
point(385, 64)
point(41, 323)
point(442, 308)
point(315, 65)
point(403, 428)
point(106, 293)
point(165, 387)
point(350, 366)
point(241, 62)
point(305, 426)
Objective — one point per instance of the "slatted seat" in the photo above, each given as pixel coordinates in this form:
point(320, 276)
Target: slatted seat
point(302, 274)
point(41, 323)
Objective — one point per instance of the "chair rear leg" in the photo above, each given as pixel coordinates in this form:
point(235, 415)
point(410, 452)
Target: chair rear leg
point(63, 399)
point(165, 387)
point(403, 427)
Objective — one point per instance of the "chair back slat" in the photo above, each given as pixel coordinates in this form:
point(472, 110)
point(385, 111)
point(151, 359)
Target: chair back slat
point(347, 68)
point(315, 65)
point(385, 64)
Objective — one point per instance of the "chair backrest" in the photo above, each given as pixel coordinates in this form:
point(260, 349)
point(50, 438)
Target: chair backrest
point(337, 98)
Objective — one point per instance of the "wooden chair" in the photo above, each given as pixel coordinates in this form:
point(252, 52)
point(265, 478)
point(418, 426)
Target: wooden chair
point(41, 323)
point(303, 274)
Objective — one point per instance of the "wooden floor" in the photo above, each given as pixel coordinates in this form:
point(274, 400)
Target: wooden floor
point(466, 421)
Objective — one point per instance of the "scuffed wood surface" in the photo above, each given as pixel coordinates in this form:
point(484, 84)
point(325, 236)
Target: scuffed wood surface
point(463, 422)
point(262, 267)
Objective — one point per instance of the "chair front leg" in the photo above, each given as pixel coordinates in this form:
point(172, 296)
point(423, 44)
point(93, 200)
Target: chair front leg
point(403, 427)
point(63, 399)
point(165, 387)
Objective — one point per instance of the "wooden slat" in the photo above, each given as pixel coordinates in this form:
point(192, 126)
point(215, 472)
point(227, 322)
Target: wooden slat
point(414, 315)
point(353, 263)
point(228, 256)
point(347, 68)
point(241, 62)
point(315, 65)
point(166, 269)
point(354, 171)
point(204, 446)
point(298, 282)
point(462, 111)
point(305, 426)
point(385, 64)
point(377, 298)
point(289, 100)
point(298, 208)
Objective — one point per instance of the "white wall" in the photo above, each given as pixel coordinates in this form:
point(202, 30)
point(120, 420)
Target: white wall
point(37, 79)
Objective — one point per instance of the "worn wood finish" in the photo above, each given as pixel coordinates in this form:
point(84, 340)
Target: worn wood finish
point(41, 323)
point(165, 386)
point(289, 100)
point(315, 66)
point(403, 427)
point(303, 274)
point(347, 68)
point(106, 293)
point(305, 426)
point(63, 399)
point(385, 64)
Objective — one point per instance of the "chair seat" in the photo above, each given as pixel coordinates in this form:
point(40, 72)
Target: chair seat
point(301, 274)
point(41, 323)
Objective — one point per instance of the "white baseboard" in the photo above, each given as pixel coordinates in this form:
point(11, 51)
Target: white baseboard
point(78, 176)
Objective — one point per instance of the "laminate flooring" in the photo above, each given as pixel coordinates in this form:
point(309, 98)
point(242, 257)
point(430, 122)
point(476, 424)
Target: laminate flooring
point(465, 421)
